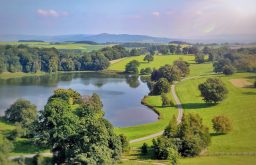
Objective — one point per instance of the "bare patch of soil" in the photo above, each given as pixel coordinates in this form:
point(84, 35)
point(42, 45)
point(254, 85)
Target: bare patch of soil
point(241, 83)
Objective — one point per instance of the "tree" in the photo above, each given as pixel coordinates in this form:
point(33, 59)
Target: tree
point(171, 73)
point(193, 135)
point(183, 66)
point(171, 129)
point(80, 134)
point(148, 58)
point(199, 58)
point(144, 149)
point(132, 67)
point(164, 148)
point(228, 70)
point(161, 86)
point(213, 90)
point(22, 111)
point(166, 101)
point(221, 124)
point(219, 65)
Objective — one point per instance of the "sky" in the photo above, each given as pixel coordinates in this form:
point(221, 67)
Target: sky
point(165, 18)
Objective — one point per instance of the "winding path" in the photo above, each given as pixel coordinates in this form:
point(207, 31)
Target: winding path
point(180, 114)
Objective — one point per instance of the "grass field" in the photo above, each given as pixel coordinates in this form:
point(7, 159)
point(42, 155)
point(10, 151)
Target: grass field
point(159, 60)
point(239, 106)
point(83, 47)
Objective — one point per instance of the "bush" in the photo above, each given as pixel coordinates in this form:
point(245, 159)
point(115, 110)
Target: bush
point(146, 71)
point(161, 148)
point(125, 143)
point(221, 124)
point(148, 58)
point(144, 149)
point(173, 155)
point(254, 84)
point(199, 58)
point(166, 101)
point(213, 90)
point(161, 86)
point(228, 70)
point(21, 111)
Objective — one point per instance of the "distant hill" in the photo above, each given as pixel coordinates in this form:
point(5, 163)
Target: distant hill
point(99, 38)
point(30, 41)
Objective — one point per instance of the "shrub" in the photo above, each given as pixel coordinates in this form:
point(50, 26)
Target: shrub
point(199, 58)
point(228, 70)
point(173, 155)
point(148, 58)
point(125, 143)
point(213, 90)
point(166, 101)
point(144, 149)
point(146, 71)
point(161, 147)
point(221, 124)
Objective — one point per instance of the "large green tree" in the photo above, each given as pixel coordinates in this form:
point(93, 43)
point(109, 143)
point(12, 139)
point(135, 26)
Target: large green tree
point(213, 90)
point(78, 134)
point(132, 67)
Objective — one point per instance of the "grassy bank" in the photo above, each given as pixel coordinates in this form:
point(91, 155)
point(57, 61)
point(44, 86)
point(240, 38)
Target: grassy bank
point(7, 75)
point(165, 114)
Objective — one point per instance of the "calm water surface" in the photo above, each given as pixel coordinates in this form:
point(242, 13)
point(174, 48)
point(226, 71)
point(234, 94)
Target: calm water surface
point(121, 95)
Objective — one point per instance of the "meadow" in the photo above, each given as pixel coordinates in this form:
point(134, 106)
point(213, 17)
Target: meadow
point(62, 45)
point(159, 60)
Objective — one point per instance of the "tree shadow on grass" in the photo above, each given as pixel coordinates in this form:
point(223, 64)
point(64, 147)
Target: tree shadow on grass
point(249, 93)
point(217, 134)
point(197, 105)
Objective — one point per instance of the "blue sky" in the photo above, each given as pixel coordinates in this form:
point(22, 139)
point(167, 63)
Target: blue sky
point(167, 18)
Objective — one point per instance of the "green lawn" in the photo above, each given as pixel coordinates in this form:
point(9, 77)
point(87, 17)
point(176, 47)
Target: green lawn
point(7, 75)
point(239, 106)
point(219, 160)
point(138, 131)
point(83, 47)
point(159, 60)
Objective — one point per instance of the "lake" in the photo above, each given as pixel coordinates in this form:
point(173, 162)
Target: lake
point(121, 95)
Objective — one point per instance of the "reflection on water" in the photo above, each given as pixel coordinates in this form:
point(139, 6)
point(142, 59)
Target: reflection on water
point(121, 95)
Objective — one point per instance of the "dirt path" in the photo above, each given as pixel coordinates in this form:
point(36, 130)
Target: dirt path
point(180, 114)
point(178, 103)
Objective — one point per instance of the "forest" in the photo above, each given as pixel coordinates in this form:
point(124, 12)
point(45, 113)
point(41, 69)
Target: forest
point(22, 58)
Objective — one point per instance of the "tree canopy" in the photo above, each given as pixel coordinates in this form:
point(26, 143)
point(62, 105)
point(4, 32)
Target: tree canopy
point(213, 90)
point(78, 134)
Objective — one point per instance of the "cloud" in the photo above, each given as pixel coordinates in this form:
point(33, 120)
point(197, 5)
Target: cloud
point(156, 13)
point(51, 13)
